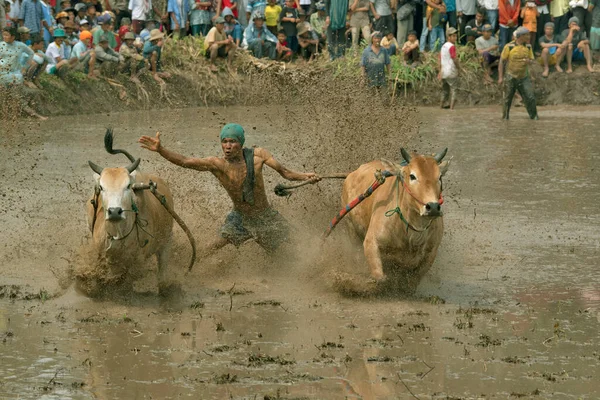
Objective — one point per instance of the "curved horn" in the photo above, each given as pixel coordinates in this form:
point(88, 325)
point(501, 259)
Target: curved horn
point(96, 168)
point(405, 155)
point(440, 156)
point(131, 167)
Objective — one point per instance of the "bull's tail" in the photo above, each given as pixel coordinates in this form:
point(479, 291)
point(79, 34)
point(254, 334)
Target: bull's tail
point(108, 145)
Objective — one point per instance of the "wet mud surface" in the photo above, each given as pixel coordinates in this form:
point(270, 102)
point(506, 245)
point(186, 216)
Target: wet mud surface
point(510, 309)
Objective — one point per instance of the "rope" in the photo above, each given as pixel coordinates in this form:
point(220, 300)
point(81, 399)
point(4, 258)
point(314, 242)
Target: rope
point(397, 210)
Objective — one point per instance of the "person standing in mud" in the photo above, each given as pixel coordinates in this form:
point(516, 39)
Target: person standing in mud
point(240, 172)
point(515, 59)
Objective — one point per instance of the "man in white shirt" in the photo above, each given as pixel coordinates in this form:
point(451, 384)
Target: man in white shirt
point(58, 63)
point(449, 68)
point(491, 10)
point(465, 11)
point(140, 10)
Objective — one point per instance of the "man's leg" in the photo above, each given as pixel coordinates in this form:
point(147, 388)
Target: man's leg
point(257, 49)
point(569, 58)
point(231, 49)
point(404, 26)
point(503, 39)
point(527, 93)
point(424, 33)
point(92, 65)
point(214, 52)
point(492, 17)
point(545, 53)
point(585, 48)
point(366, 32)
point(452, 84)
point(445, 93)
point(270, 49)
point(509, 92)
point(354, 30)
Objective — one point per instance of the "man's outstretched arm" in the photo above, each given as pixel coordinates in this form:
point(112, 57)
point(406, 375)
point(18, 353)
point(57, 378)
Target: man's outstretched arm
point(199, 164)
point(288, 174)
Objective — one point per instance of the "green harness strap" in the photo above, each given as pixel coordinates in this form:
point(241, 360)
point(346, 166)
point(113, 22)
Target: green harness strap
point(397, 210)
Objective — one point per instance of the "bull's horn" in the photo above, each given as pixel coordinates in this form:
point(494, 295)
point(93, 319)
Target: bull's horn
point(131, 167)
point(96, 168)
point(440, 156)
point(405, 155)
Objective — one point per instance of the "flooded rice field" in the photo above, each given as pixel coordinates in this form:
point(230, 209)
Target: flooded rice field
point(510, 309)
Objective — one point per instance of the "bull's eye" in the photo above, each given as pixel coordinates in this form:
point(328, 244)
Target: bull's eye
point(413, 177)
point(129, 186)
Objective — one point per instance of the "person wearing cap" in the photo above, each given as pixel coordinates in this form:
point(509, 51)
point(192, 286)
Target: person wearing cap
point(318, 23)
point(32, 16)
point(576, 46)
point(91, 16)
point(487, 47)
point(84, 25)
point(24, 35)
point(376, 64)
point(124, 27)
point(240, 173)
point(515, 59)
point(80, 12)
point(134, 61)
point(11, 53)
point(551, 46)
point(57, 52)
point(178, 11)
point(289, 20)
point(449, 69)
point(308, 41)
point(272, 12)
point(232, 27)
point(218, 44)
point(105, 30)
point(61, 18)
point(105, 56)
point(72, 36)
point(83, 56)
point(360, 21)
point(38, 65)
point(254, 7)
point(410, 50)
point(153, 53)
point(259, 40)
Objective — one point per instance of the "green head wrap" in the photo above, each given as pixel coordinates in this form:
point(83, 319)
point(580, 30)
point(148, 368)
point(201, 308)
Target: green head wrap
point(233, 131)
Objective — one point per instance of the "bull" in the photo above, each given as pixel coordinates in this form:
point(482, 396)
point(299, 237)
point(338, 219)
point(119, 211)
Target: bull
point(400, 224)
point(128, 224)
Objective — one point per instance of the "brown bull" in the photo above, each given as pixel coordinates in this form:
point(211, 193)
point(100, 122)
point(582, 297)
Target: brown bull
point(401, 223)
point(127, 225)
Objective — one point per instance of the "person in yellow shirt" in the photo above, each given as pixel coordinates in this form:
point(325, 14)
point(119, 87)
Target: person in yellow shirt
point(272, 11)
point(515, 59)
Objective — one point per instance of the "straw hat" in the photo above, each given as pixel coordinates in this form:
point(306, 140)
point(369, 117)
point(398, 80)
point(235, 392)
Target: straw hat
point(155, 34)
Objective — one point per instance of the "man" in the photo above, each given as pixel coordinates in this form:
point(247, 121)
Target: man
point(140, 10)
point(441, 7)
point(11, 54)
point(255, 7)
point(382, 12)
point(477, 23)
point(491, 11)
point(58, 62)
point(81, 10)
point(134, 61)
point(308, 41)
point(517, 56)
point(259, 40)
point(24, 35)
point(508, 11)
point(449, 68)
point(217, 44)
point(178, 11)
point(105, 31)
point(152, 52)
point(3, 22)
point(487, 47)
point(317, 21)
point(232, 27)
point(105, 56)
point(32, 17)
point(551, 46)
point(376, 65)
point(465, 11)
point(240, 172)
point(38, 65)
point(576, 45)
point(72, 37)
point(83, 54)
point(337, 11)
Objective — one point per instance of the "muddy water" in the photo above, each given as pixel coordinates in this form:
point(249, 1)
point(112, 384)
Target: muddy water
point(510, 308)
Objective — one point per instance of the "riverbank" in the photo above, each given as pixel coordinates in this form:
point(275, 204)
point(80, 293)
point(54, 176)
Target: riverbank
point(260, 82)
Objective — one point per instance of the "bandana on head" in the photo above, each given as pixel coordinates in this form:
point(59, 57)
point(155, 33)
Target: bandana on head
point(233, 131)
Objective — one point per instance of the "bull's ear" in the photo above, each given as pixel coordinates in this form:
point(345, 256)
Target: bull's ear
point(133, 174)
point(96, 178)
point(444, 165)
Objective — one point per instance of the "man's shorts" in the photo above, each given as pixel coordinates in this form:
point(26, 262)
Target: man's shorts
point(269, 229)
point(489, 58)
point(222, 52)
point(578, 55)
point(595, 38)
point(551, 57)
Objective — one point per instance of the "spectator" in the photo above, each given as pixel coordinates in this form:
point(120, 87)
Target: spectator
point(465, 11)
point(84, 54)
point(91, 16)
point(449, 68)
point(6, 14)
point(595, 30)
point(425, 32)
point(551, 46)
point(2, 15)
point(11, 53)
point(152, 52)
point(72, 37)
point(134, 61)
point(121, 12)
point(272, 13)
point(38, 66)
point(478, 22)
point(405, 17)
point(487, 47)
point(105, 29)
point(233, 28)
point(471, 35)
point(336, 11)
point(84, 25)
point(543, 7)
point(200, 17)
point(123, 29)
point(140, 12)
point(359, 21)
point(289, 19)
point(529, 15)
point(80, 11)
point(509, 11)
point(517, 56)
point(284, 53)
point(576, 45)
point(308, 41)
point(318, 22)
point(32, 17)
point(376, 65)
point(61, 18)
point(223, 4)
point(149, 26)
point(105, 56)
point(305, 6)
point(435, 27)
point(178, 11)
point(259, 40)
point(256, 7)
point(410, 50)
point(217, 44)
point(382, 12)
point(491, 11)
point(24, 35)
point(390, 44)
point(15, 10)
point(58, 63)
point(579, 9)
point(451, 12)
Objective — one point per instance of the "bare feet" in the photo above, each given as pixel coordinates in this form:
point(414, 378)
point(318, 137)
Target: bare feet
point(30, 84)
point(559, 69)
point(158, 79)
point(92, 77)
point(213, 68)
point(546, 72)
point(569, 70)
point(589, 67)
point(135, 79)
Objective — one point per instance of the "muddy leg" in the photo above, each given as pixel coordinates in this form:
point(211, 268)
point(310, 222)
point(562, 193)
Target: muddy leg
point(166, 284)
point(569, 58)
point(373, 256)
point(545, 60)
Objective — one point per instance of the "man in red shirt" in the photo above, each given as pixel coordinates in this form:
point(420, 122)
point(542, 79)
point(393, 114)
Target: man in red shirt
point(508, 15)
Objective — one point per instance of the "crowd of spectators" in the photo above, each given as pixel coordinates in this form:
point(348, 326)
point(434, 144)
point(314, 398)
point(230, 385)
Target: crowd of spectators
point(128, 35)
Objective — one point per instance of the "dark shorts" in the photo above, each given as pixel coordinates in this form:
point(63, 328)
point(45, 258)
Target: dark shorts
point(222, 52)
point(489, 58)
point(269, 229)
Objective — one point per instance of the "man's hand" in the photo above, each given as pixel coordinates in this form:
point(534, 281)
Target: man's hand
point(459, 13)
point(575, 28)
point(312, 177)
point(150, 143)
point(377, 16)
point(499, 81)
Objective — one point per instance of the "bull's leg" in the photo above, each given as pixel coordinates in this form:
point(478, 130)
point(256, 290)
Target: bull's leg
point(165, 283)
point(373, 256)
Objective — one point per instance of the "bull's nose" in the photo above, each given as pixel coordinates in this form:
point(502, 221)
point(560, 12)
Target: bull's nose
point(115, 213)
point(433, 208)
